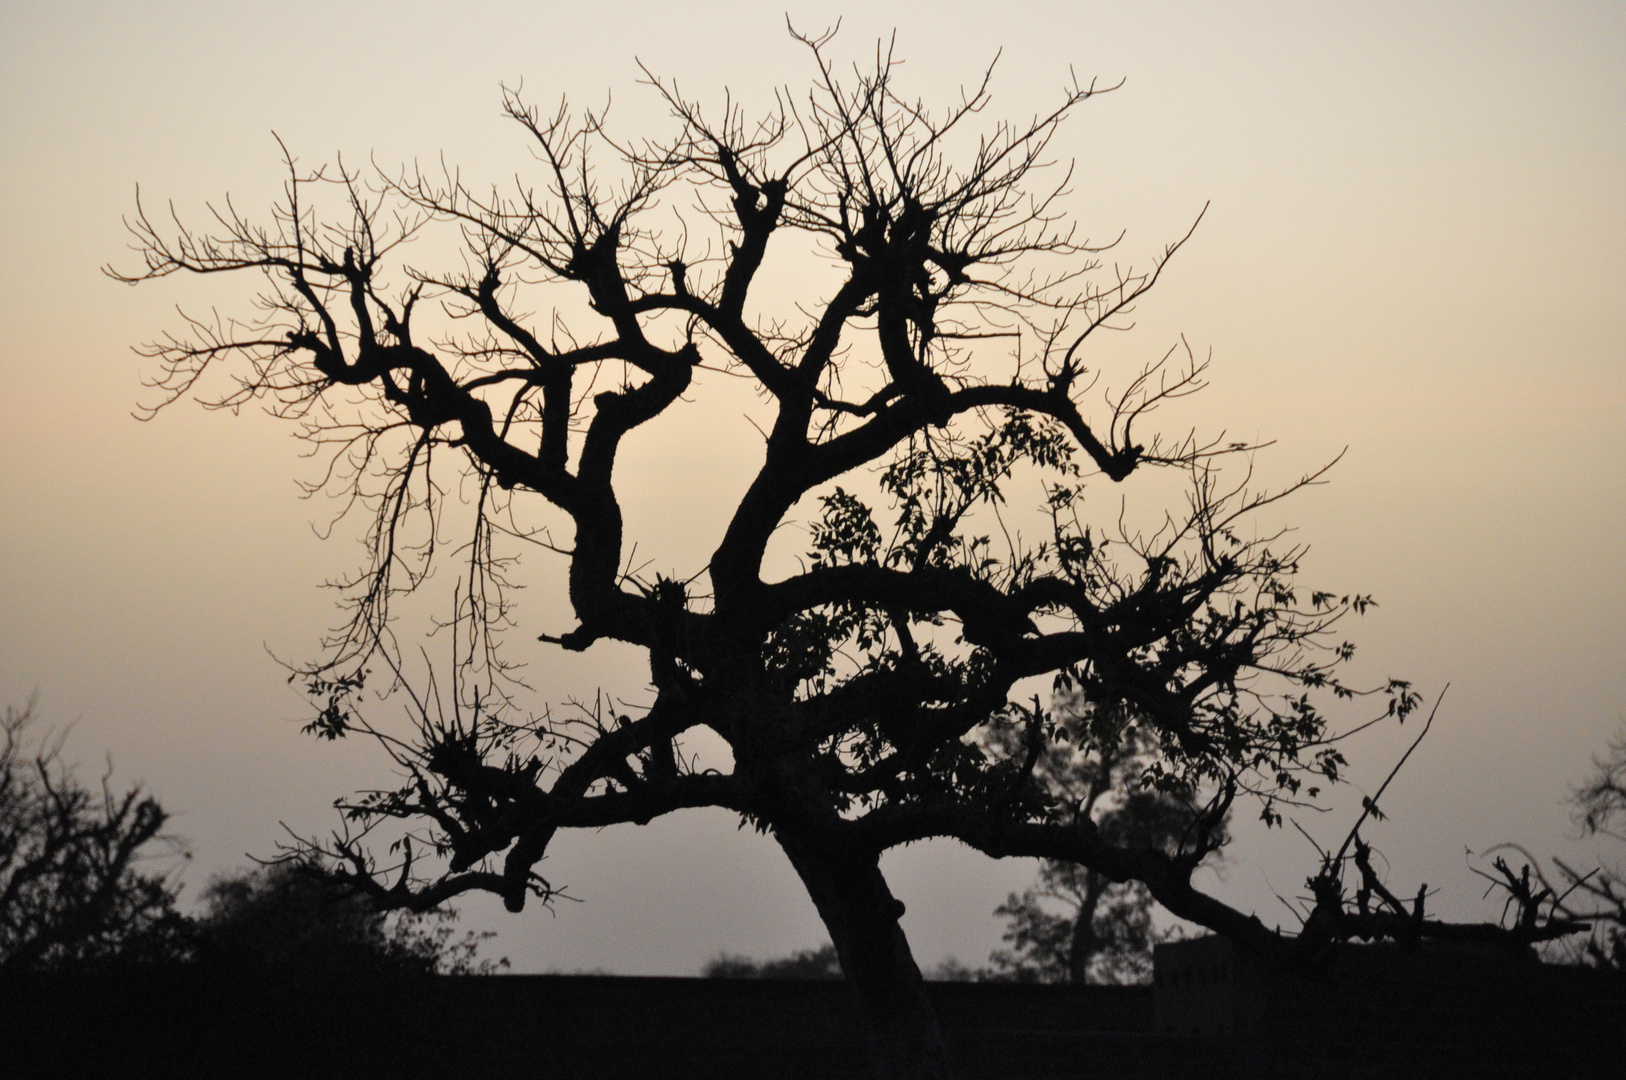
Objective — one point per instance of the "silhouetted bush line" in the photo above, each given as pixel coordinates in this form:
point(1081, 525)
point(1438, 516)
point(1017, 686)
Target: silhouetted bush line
point(282, 916)
point(819, 963)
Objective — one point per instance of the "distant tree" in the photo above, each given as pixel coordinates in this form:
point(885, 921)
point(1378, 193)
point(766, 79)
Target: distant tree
point(951, 969)
point(933, 365)
point(819, 963)
point(73, 893)
point(72, 888)
point(1102, 934)
point(285, 917)
point(1077, 924)
point(1600, 802)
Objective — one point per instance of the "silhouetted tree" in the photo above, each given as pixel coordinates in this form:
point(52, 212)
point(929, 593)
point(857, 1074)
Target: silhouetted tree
point(934, 365)
point(71, 888)
point(1103, 934)
point(285, 917)
point(1332, 912)
point(1077, 924)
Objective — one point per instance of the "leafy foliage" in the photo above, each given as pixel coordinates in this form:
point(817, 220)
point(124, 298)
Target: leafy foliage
point(72, 893)
point(1102, 934)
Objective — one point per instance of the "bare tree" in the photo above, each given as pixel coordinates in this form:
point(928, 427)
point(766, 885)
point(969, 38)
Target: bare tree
point(1532, 914)
point(72, 888)
point(872, 695)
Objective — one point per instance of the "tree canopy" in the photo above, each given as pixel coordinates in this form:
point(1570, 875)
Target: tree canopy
point(896, 683)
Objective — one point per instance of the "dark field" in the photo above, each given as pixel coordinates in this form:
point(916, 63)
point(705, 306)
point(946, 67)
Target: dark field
point(197, 1024)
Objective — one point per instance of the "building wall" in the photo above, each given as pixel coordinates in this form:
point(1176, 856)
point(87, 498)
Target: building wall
point(1379, 1010)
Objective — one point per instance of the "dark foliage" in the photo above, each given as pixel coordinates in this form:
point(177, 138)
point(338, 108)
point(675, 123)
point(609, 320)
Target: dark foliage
point(1349, 899)
point(1600, 895)
point(284, 917)
point(1103, 932)
point(72, 888)
point(73, 894)
point(819, 963)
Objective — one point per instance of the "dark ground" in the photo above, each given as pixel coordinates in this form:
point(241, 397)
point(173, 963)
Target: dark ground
point(196, 1024)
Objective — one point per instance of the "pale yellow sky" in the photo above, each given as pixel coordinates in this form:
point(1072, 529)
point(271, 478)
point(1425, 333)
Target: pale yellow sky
point(1416, 249)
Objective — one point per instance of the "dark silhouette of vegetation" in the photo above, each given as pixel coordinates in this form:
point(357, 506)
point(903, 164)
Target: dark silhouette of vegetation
point(73, 890)
point(1333, 912)
point(1102, 934)
point(934, 373)
point(1600, 895)
point(824, 963)
point(73, 893)
point(1595, 898)
point(1077, 924)
point(284, 917)
point(819, 963)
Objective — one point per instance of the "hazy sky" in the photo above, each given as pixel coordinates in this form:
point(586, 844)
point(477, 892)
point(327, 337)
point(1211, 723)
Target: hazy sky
point(1416, 249)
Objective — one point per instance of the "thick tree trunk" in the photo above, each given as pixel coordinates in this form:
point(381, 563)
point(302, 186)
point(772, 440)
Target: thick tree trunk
point(862, 916)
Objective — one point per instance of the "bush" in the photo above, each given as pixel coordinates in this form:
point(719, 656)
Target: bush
point(283, 917)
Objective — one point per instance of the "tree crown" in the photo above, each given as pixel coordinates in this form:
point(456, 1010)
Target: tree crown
point(873, 693)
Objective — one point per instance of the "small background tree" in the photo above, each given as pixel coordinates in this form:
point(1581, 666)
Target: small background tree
point(1076, 924)
point(76, 884)
point(1601, 811)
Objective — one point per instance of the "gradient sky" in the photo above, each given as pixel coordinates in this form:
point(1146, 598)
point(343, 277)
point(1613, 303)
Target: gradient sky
point(1416, 249)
